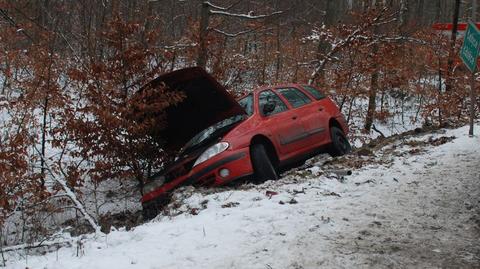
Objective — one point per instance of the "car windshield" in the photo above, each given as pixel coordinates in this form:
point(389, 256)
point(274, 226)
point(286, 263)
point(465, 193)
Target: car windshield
point(212, 131)
point(247, 104)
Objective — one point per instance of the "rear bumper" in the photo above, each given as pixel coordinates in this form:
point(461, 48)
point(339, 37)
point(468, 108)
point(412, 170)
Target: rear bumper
point(208, 173)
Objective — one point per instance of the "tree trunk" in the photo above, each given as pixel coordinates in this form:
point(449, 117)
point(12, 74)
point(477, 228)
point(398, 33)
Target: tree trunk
point(403, 13)
point(43, 142)
point(438, 10)
point(372, 96)
point(451, 53)
point(203, 31)
point(278, 59)
point(2, 256)
point(330, 12)
point(419, 12)
point(265, 56)
point(350, 108)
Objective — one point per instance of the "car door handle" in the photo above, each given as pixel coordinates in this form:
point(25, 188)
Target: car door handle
point(320, 108)
point(294, 117)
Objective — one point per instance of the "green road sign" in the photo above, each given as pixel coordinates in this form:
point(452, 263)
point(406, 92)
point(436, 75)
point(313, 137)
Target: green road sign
point(471, 44)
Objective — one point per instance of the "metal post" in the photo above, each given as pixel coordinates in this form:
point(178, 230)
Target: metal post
point(472, 83)
point(472, 104)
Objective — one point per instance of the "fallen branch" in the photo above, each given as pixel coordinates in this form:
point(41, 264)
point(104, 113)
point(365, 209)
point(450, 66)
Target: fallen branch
point(35, 245)
point(339, 172)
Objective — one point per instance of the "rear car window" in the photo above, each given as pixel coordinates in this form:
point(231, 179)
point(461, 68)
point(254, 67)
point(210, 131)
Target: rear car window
point(294, 96)
point(247, 104)
point(314, 92)
point(269, 96)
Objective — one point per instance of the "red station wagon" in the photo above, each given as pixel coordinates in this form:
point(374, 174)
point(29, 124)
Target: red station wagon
point(220, 139)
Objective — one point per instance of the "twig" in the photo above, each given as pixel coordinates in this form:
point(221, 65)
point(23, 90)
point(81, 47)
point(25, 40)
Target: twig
point(378, 131)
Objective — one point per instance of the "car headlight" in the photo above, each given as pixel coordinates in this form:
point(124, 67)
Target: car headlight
point(211, 151)
point(153, 185)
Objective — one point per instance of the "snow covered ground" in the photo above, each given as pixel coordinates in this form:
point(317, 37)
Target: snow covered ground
point(414, 204)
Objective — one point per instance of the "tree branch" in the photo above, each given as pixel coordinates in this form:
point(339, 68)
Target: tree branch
point(222, 8)
point(230, 34)
point(14, 24)
point(354, 35)
point(71, 195)
point(249, 16)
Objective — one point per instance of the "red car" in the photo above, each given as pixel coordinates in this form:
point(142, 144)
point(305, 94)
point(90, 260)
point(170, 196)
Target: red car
point(220, 139)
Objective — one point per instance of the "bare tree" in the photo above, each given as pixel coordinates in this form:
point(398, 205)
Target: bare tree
point(209, 10)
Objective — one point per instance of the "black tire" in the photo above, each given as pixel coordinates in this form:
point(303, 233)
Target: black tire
point(152, 208)
point(149, 211)
point(340, 145)
point(262, 165)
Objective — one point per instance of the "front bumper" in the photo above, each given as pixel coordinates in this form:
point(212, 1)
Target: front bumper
point(208, 173)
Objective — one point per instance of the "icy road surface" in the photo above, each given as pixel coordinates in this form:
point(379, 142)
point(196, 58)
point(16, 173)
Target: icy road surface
point(418, 209)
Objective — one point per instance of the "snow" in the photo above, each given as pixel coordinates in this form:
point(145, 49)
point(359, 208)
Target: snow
point(406, 208)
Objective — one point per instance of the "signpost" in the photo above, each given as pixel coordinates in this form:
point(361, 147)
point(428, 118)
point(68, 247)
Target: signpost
point(469, 55)
point(471, 44)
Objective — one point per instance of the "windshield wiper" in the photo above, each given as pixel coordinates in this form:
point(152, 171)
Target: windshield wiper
point(208, 139)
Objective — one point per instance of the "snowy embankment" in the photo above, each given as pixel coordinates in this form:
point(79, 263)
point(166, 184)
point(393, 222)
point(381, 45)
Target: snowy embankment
point(414, 203)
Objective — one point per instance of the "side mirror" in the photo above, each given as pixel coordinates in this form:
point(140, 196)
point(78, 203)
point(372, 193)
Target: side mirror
point(268, 108)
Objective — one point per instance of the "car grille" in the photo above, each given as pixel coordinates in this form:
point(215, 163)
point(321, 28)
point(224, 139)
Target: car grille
point(179, 171)
point(209, 181)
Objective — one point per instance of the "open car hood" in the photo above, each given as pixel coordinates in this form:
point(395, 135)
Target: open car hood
point(206, 103)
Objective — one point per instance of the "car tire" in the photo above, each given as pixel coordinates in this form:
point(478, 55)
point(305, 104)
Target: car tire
point(262, 165)
point(152, 208)
point(149, 212)
point(340, 145)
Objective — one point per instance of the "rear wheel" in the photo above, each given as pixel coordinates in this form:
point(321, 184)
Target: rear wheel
point(262, 164)
point(340, 145)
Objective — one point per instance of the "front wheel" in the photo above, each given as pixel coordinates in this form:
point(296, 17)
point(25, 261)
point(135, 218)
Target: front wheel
point(150, 211)
point(340, 145)
point(262, 165)
point(152, 208)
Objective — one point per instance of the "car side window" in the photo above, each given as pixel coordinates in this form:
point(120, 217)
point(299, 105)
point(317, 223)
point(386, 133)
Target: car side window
point(314, 92)
point(294, 96)
point(247, 104)
point(269, 97)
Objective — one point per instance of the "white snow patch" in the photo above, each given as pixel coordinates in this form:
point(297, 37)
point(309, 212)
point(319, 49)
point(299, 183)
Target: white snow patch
point(382, 216)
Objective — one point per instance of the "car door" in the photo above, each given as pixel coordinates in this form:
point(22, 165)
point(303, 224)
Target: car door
point(283, 125)
point(309, 112)
point(320, 121)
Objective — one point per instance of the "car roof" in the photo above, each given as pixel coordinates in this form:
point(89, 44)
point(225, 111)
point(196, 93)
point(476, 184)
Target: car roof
point(267, 87)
